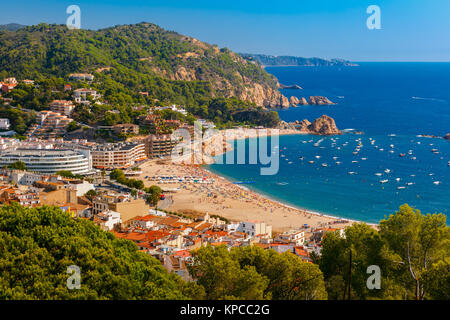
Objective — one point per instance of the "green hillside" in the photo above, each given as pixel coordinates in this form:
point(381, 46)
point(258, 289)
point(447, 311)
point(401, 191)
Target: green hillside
point(133, 58)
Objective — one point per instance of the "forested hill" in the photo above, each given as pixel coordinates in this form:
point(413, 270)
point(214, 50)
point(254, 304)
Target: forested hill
point(137, 58)
point(268, 61)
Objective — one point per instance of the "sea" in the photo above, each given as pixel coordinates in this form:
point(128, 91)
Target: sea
point(364, 177)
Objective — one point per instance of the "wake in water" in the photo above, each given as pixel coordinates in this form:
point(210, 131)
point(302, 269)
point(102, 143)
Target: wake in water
point(429, 99)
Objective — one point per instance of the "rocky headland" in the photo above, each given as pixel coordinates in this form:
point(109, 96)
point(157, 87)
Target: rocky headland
point(324, 125)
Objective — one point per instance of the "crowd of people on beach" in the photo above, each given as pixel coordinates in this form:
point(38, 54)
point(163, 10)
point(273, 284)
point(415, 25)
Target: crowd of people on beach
point(221, 191)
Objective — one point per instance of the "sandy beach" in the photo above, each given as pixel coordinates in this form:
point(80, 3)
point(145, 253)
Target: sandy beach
point(229, 200)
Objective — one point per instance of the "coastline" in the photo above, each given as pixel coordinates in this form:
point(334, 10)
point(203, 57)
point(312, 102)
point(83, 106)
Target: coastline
point(233, 202)
point(291, 206)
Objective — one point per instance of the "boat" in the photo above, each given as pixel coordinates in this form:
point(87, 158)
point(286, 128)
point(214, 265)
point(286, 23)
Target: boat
point(384, 181)
point(401, 155)
point(324, 165)
point(338, 162)
point(401, 187)
point(437, 182)
point(311, 162)
point(351, 172)
point(317, 157)
point(410, 183)
point(301, 158)
point(397, 179)
point(387, 170)
point(378, 174)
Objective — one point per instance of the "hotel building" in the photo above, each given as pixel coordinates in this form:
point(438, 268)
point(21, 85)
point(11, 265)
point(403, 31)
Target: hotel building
point(159, 145)
point(118, 155)
point(49, 161)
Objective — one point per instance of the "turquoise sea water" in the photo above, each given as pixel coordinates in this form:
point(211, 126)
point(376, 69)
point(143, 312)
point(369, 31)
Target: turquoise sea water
point(391, 103)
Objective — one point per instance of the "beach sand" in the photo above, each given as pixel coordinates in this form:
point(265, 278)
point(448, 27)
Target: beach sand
point(231, 201)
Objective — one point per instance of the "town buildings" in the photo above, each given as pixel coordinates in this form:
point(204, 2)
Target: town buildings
point(51, 124)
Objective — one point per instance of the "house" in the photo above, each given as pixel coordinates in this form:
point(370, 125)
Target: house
point(81, 95)
point(292, 236)
point(254, 228)
point(128, 208)
point(107, 219)
point(81, 76)
point(126, 128)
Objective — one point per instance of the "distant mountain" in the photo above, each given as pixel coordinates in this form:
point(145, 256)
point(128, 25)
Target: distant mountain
point(268, 60)
point(11, 26)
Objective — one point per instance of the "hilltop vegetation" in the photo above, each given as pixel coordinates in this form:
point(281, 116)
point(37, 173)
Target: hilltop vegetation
point(130, 59)
point(140, 64)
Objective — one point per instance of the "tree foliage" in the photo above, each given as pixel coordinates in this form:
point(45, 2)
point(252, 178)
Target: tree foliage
point(253, 273)
point(38, 244)
point(411, 249)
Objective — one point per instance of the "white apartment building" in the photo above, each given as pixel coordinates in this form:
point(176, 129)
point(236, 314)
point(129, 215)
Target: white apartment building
point(293, 236)
point(254, 228)
point(81, 95)
point(109, 218)
point(49, 161)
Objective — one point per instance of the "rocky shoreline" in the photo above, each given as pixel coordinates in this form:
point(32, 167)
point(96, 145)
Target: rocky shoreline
point(323, 125)
point(313, 100)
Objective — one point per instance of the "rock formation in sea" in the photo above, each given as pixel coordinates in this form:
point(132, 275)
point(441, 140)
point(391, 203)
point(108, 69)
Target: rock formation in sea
point(324, 125)
point(319, 100)
point(294, 101)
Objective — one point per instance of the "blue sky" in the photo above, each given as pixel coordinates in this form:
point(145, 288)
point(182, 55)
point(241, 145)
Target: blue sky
point(412, 30)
